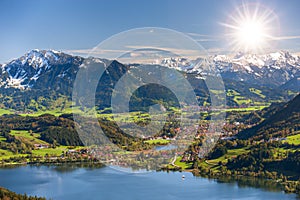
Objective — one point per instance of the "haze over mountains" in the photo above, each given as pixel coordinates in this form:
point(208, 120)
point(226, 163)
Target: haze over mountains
point(274, 76)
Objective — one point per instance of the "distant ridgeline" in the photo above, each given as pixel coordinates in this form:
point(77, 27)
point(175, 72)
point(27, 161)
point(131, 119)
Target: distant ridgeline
point(43, 80)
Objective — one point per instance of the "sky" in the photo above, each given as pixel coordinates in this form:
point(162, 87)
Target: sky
point(70, 25)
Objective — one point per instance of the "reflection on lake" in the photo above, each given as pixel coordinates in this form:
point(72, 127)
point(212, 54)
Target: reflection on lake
point(84, 182)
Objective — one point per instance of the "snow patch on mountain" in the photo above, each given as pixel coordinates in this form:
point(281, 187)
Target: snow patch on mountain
point(274, 68)
point(24, 71)
point(181, 64)
point(279, 67)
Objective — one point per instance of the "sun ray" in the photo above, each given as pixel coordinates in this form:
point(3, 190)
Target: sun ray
point(251, 27)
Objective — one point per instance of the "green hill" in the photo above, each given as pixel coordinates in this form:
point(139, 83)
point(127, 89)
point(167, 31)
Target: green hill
point(281, 120)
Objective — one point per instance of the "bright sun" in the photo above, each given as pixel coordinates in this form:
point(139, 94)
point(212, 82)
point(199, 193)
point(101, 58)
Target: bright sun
point(251, 34)
point(251, 27)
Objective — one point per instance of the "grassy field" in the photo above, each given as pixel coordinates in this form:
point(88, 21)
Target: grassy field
point(231, 153)
point(231, 93)
point(292, 93)
point(50, 151)
point(294, 139)
point(257, 92)
point(5, 111)
point(55, 112)
point(26, 137)
point(250, 108)
point(157, 142)
point(240, 100)
point(183, 165)
point(11, 155)
point(5, 153)
point(32, 138)
point(216, 91)
point(132, 117)
point(135, 117)
point(2, 138)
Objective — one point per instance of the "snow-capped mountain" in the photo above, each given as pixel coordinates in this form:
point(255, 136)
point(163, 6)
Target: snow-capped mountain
point(270, 69)
point(26, 71)
point(45, 75)
point(181, 64)
point(49, 68)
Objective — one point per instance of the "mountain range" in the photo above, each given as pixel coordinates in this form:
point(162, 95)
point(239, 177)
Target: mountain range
point(269, 69)
point(248, 78)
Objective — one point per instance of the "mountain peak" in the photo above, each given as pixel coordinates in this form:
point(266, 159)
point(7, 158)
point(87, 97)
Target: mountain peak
point(273, 69)
point(24, 71)
point(36, 58)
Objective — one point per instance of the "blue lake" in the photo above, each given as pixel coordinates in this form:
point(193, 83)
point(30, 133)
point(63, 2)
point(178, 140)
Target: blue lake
point(106, 183)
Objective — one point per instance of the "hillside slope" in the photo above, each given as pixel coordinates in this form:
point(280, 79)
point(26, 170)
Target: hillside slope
point(284, 121)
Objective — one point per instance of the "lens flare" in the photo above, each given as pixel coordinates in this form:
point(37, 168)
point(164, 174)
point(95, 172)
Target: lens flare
point(251, 28)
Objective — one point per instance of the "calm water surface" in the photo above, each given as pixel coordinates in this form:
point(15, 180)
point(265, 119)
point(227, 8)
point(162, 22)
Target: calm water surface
point(105, 183)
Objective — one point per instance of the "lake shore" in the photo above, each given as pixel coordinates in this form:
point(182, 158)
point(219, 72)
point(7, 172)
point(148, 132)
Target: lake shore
point(247, 180)
point(76, 182)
